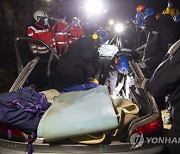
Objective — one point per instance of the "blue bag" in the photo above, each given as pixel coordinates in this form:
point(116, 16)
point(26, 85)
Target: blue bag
point(82, 87)
point(23, 109)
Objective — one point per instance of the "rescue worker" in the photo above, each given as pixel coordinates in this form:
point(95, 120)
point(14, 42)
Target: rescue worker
point(40, 29)
point(161, 34)
point(75, 31)
point(79, 63)
point(117, 69)
point(140, 32)
point(117, 66)
point(139, 15)
point(166, 81)
point(60, 30)
point(171, 10)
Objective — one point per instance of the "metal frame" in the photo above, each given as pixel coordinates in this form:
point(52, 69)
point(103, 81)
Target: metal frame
point(20, 80)
point(19, 62)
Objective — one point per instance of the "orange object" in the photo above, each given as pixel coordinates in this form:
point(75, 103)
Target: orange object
point(158, 15)
point(115, 60)
point(140, 8)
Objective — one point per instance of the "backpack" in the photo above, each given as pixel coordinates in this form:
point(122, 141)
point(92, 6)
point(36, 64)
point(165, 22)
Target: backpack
point(23, 109)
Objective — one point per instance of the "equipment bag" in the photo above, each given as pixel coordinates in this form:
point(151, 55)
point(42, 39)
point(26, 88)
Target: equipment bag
point(23, 109)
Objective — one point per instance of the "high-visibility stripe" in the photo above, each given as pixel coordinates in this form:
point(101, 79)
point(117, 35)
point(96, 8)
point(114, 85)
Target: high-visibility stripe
point(30, 34)
point(61, 42)
point(38, 31)
point(61, 33)
point(40, 52)
point(34, 51)
point(75, 38)
point(41, 48)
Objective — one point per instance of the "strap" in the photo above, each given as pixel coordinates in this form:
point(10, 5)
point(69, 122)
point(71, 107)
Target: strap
point(31, 138)
point(174, 48)
point(9, 133)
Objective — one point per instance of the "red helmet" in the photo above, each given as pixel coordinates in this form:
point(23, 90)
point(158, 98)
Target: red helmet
point(140, 8)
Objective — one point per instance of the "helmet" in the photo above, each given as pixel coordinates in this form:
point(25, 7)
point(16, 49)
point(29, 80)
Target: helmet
point(39, 14)
point(75, 21)
point(148, 13)
point(103, 35)
point(123, 65)
point(140, 8)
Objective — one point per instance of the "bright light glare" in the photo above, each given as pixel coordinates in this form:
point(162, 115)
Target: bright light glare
point(111, 22)
point(94, 6)
point(119, 28)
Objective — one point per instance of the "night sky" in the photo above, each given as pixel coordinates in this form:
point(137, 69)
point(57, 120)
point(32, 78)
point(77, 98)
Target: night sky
point(124, 9)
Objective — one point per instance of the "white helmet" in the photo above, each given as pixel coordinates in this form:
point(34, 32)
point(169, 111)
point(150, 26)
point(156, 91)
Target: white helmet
point(76, 21)
point(39, 14)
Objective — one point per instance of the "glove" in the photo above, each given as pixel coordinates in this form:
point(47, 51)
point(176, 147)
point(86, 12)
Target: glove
point(140, 83)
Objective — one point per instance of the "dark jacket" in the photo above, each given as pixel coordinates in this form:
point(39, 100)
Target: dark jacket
point(79, 63)
point(166, 81)
point(163, 33)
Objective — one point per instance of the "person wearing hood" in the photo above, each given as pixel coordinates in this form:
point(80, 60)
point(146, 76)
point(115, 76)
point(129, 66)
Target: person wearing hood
point(80, 62)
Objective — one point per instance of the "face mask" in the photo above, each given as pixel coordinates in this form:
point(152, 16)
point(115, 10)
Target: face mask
point(46, 23)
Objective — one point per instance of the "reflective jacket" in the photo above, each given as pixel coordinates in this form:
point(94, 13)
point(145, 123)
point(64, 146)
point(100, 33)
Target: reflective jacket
point(61, 33)
point(75, 33)
point(39, 32)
